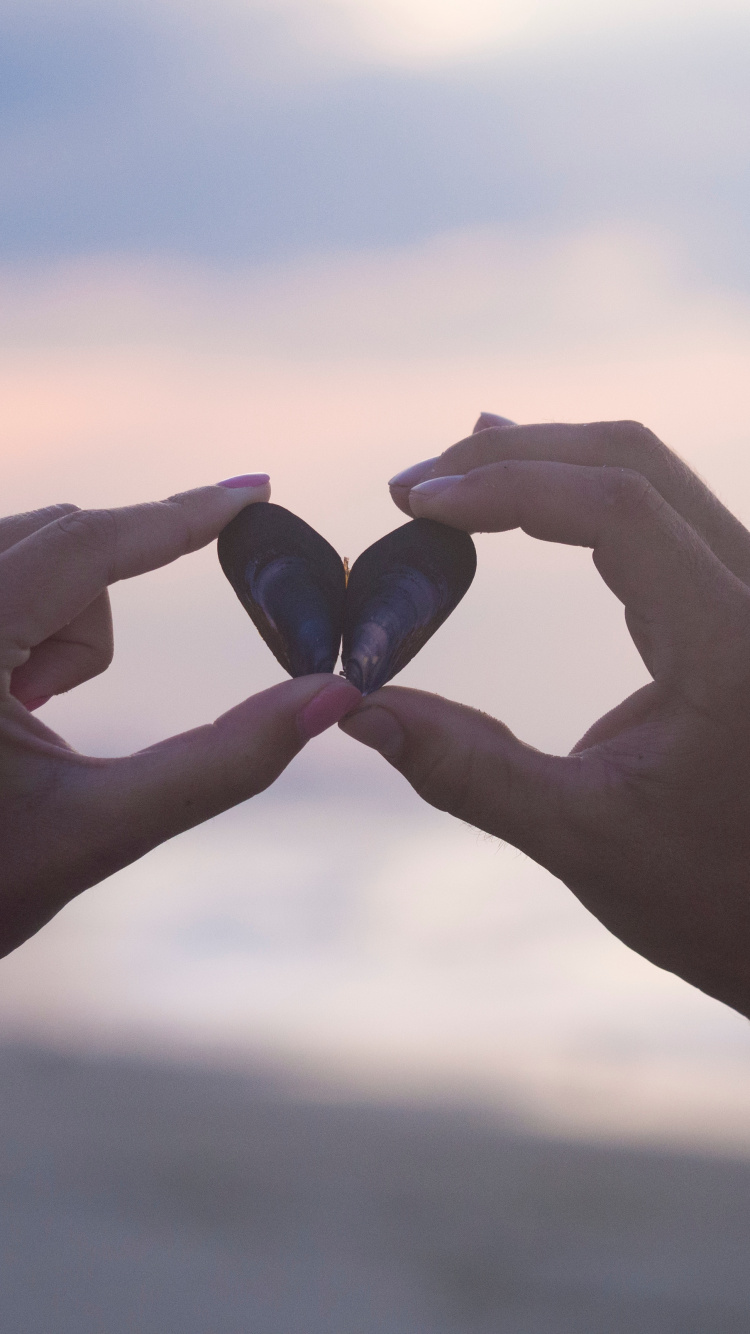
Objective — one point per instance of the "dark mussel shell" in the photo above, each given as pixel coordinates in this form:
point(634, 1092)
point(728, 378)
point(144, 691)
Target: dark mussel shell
point(399, 593)
point(290, 581)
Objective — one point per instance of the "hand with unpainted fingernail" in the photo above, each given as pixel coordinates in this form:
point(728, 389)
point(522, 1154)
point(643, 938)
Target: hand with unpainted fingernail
point(648, 819)
point(68, 821)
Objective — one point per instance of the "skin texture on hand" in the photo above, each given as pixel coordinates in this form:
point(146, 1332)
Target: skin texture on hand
point(648, 819)
point(66, 820)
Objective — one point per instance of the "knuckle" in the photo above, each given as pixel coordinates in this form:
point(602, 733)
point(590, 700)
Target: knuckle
point(94, 530)
point(626, 492)
point(15, 527)
point(48, 514)
point(629, 444)
point(52, 512)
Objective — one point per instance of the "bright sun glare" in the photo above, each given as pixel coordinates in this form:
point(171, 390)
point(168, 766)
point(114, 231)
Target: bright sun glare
point(424, 31)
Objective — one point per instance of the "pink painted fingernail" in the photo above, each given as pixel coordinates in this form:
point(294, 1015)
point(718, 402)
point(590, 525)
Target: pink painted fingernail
point(434, 485)
point(487, 420)
point(37, 703)
point(246, 479)
point(411, 475)
point(327, 708)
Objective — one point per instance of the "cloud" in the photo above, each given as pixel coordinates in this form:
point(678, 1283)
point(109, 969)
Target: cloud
point(473, 292)
point(405, 34)
point(151, 131)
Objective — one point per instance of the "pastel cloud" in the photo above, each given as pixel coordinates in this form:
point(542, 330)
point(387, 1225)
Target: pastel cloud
point(139, 130)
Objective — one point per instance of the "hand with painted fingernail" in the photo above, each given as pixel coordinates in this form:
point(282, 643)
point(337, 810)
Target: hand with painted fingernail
point(402, 485)
point(68, 821)
point(648, 819)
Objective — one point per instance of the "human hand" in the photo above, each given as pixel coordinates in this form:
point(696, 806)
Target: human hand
point(66, 820)
point(648, 819)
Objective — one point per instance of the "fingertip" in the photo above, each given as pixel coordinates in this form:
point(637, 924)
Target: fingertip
point(286, 702)
point(487, 421)
point(246, 481)
point(248, 489)
point(211, 508)
point(376, 727)
point(400, 498)
point(336, 699)
point(429, 498)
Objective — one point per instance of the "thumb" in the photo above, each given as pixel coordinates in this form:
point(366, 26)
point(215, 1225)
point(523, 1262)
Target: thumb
point(464, 762)
point(97, 816)
point(156, 793)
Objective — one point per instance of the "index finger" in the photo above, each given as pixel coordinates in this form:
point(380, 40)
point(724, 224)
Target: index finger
point(52, 575)
point(618, 444)
point(689, 605)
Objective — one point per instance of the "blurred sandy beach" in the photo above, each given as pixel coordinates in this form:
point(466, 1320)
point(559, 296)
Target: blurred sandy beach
point(138, 1196)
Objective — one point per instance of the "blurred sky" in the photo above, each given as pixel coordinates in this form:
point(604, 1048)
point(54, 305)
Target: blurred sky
point(319, 238)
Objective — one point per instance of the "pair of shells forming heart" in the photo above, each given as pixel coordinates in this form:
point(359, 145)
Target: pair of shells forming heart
point(293, 585)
